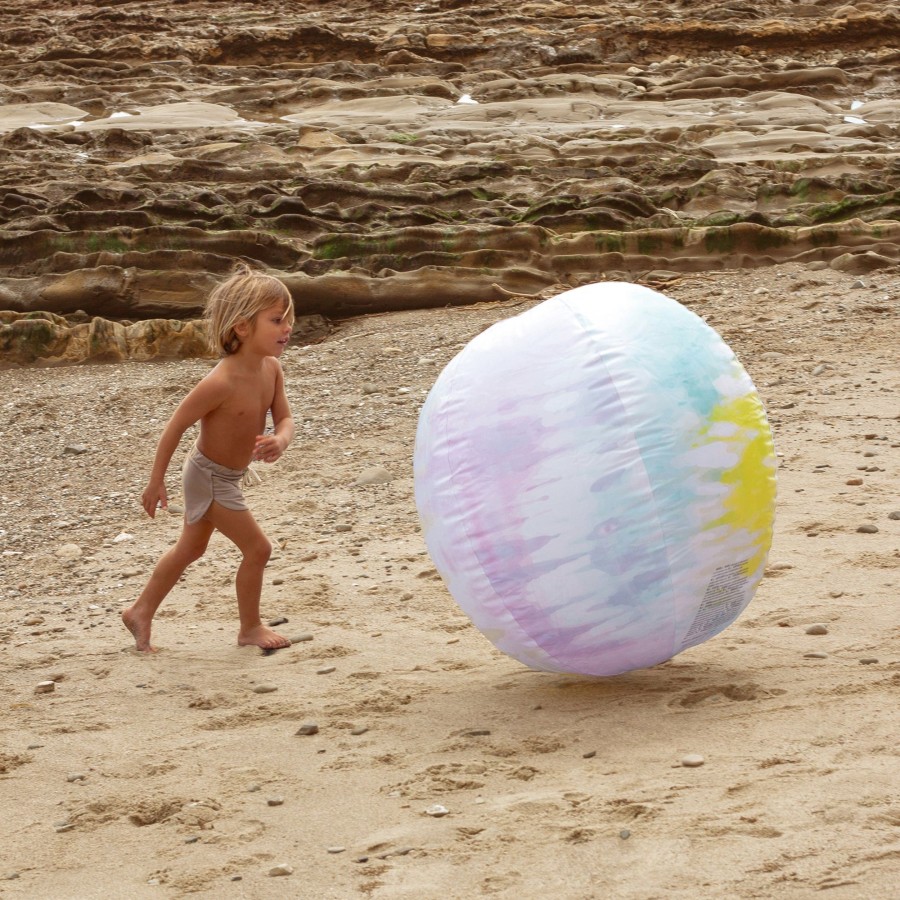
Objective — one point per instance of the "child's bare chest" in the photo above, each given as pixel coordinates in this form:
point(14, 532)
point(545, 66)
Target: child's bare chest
point(247, 399)
point(248, 406)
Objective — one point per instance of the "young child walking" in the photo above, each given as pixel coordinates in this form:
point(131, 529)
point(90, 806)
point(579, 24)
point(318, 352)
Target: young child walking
point(249, 318)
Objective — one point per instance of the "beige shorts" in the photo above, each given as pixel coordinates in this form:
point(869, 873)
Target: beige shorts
point(204, 481)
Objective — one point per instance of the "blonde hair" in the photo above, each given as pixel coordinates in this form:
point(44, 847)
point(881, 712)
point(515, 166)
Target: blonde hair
point(241, 298)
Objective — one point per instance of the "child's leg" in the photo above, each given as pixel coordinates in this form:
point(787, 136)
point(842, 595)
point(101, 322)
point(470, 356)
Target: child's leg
point(190, 547)
point(241, 528)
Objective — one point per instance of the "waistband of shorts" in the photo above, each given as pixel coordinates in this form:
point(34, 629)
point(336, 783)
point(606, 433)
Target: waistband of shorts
point(205, 462)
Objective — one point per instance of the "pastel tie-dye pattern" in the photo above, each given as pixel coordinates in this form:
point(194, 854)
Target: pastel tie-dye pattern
point(596, 481)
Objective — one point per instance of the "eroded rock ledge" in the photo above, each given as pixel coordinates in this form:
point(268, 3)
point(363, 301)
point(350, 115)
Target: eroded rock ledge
point(46, 339)
point(434, 154)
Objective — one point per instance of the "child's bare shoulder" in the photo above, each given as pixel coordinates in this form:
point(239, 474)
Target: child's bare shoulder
point(273, 367)
point(219, 373)
point(219, 380)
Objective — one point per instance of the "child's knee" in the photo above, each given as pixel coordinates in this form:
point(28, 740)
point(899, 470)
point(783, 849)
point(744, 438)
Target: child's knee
point(191, 552)
point(260, 553)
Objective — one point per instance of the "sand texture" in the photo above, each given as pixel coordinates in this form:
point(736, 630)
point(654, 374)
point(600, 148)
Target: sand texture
point(148, 776)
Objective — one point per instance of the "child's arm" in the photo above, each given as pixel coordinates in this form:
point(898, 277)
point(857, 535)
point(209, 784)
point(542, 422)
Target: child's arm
point(269, 447)
point(204, 398)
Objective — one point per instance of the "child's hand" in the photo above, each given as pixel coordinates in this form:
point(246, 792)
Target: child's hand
point(154, 495)
point(268, 448)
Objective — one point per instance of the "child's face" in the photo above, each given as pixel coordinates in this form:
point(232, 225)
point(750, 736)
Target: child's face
point(270, 330)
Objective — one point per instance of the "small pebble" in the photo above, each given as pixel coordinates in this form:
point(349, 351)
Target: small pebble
point(45, 687)
point(361, 859)
point(624, 834)
point(76, 776)
point(855, 482)
point(283, 869)
point(278, 620)
point(343, 526)
point(264, 689)
point(254, 788)
point(817, 628)
point(894, 515)
point(400, 851)
point(191, 840)
point(867, 529)
point(325, 670)
point(275, 801)
point(237, 877)
point(68, 826)
point(436, 810)
point(300, 638)
point(362, 729)
point(692, 760)
point(815, 656)
point(868, 660)
point(336, 849)
point(309, 728)
point(589, 755)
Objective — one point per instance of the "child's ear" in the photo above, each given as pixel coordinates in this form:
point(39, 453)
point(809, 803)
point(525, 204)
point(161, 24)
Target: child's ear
point(242, 328)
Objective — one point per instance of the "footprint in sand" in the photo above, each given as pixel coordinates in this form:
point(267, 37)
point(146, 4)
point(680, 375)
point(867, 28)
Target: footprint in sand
point(733, 692)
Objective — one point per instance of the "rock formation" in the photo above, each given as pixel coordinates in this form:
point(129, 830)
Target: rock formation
point(408, 155)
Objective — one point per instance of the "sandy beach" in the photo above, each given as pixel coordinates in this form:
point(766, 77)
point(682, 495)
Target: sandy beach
point(185, 772)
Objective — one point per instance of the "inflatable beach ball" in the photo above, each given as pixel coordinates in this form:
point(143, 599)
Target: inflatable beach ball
point(596, 481)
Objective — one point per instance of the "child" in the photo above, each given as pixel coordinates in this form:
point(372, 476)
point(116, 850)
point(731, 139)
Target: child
point(250, 317)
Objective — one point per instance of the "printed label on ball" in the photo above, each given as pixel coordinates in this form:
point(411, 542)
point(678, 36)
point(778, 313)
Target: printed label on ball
point(721, 603)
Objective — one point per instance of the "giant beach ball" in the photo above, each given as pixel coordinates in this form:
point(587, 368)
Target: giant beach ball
point(595, 479)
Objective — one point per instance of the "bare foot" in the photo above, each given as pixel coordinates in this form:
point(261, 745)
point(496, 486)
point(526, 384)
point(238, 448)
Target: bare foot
point(263, 637)
point(139, 627)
